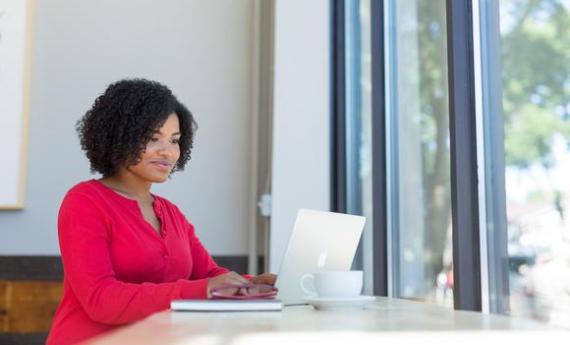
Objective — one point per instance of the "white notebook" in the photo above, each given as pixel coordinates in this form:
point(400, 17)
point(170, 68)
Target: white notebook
point(226, 305)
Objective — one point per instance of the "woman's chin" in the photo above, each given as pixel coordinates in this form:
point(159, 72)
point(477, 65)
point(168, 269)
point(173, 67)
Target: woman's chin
point(159, 178)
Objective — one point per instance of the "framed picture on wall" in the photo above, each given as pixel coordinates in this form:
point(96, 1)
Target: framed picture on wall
point(15, 56)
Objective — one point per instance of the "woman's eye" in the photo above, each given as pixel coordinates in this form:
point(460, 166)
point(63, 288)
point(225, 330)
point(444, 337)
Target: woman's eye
point(176, 141)
point(154, 140)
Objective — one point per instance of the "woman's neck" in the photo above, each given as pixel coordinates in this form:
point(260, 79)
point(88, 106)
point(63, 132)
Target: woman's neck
point(129, 185)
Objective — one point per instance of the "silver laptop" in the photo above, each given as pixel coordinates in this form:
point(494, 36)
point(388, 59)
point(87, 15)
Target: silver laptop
point(320, 241)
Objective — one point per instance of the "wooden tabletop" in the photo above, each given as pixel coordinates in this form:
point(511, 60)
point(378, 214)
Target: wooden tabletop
point(384, 321)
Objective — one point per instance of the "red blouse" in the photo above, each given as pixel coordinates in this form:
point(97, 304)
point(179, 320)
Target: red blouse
point(118, 269)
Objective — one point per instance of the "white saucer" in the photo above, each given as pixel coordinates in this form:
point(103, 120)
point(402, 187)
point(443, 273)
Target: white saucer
point(323, 303)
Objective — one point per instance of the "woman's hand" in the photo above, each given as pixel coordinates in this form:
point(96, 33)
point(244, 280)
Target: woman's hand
point(264, 278)
point(223, 279)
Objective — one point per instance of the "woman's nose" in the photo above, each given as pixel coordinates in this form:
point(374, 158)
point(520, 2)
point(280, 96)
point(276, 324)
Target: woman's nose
point(166, 150)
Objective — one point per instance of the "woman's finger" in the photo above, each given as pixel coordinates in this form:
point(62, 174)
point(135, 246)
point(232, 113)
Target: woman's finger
point(265, 278)
point(238, 277)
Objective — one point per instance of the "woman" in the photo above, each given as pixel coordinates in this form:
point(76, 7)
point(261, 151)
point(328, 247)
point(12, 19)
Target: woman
point(127, 252)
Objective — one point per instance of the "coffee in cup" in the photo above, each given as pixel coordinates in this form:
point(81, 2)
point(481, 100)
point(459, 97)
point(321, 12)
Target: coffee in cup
point(332, 284)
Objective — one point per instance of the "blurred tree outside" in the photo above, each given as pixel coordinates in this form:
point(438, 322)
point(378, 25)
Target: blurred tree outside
point(536, 79)
point(536, 100)
point(433, 88)
point(535, 57)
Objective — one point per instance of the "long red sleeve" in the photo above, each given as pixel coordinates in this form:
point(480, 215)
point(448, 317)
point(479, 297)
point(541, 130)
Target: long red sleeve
point(117, 268)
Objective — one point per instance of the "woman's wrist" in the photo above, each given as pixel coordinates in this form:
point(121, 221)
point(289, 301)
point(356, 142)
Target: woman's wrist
point(194, 289)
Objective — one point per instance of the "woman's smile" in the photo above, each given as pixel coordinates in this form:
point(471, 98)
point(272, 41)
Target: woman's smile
point(162, 164)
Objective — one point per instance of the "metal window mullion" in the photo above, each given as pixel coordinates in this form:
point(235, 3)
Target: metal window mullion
point(379, 195)
point(392, 156)
point(353, 121)
point(353, 118)
point(338, 105)
point(464, 189)
point(493, 128)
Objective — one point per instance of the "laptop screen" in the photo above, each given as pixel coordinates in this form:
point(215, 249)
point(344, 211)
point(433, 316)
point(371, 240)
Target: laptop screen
point(320, 241)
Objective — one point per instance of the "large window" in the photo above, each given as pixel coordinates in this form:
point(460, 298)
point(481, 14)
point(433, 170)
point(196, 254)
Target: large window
point(466, 129)
point(417, 137)
point(419, 153)
point(535, 61)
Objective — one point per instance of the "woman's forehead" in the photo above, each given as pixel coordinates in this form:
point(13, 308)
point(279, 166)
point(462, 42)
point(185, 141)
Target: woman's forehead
point(169, 126)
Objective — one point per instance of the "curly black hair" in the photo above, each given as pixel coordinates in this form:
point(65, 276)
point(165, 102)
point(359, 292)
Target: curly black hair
point(115, 131)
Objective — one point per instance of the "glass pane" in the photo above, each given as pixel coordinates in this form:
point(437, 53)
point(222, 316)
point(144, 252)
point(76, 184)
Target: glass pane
point(358, 127)
point(419, 153)
point(535, 40)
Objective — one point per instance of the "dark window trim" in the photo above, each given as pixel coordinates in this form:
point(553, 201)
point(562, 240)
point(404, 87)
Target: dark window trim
point(379, 176)
point(338, 108)
point(31, 267)
point(464, 193)
point(50, 267)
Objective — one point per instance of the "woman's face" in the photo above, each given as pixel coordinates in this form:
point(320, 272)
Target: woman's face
point(161, 153)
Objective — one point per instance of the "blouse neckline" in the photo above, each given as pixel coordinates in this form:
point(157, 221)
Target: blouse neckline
point(121, 196)
point(156, 205)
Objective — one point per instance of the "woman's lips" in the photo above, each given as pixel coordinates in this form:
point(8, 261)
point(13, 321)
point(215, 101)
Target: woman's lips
point(165, 166)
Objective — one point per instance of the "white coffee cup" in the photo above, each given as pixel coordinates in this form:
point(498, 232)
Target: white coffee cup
point(333, 284)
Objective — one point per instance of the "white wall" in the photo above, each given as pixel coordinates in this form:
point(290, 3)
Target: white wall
point(200, 49)
point(301, 146)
